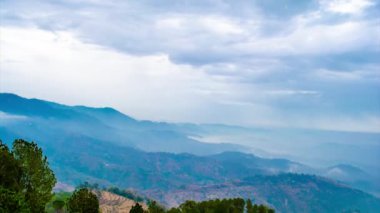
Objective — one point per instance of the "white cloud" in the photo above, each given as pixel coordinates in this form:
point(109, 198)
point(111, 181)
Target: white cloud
point(205, 24)
point(56, 66)
point(293, 92)
point(5, 118)
point(173, 23)
point(367, 73)
point(220, 25)
point(346, 6)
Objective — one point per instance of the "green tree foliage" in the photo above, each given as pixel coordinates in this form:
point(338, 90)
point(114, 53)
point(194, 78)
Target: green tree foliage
point(189, 206)
point(83, 201)
point(249, 206)
point(10, 169)
point(174, 210)
point(137, 208)
point(58, 205)
point(12, 201)
point(26, 181)
point(38, 179)
point(234, 205)
point(258, 208)
point(11, 196)
point(58, 196)
point(153, 207)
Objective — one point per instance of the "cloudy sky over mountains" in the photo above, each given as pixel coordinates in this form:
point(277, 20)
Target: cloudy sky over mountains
point(312, 64)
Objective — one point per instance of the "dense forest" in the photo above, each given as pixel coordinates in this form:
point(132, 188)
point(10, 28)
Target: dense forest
point(26, 185)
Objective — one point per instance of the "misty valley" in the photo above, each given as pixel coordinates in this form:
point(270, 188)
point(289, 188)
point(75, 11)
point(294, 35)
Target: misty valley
point(171, 163)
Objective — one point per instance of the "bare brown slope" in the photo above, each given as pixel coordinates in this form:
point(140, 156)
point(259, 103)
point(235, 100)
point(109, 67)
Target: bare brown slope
point(112, 203)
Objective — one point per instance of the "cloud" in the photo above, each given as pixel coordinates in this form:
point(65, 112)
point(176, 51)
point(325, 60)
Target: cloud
point(251, 62)
point(192, 33)
point(348, 124)
point(346, 6)
point(369, 73)
point(6, 118)
point(57, 66)
point(293, 92)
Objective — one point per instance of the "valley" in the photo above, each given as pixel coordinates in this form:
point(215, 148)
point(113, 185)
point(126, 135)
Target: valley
point(164, 161)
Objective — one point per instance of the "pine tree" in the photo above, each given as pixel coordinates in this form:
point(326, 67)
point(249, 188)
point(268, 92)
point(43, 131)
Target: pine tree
point(137, 208)
point(83, 201)
point(37, 178)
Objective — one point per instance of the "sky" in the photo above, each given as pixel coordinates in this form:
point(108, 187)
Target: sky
point(311, 64)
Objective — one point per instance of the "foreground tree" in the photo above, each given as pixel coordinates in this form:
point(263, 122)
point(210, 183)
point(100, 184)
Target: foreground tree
point(26, 181)
point(10, 169)
point(11, 197)
point(37, 179)
point(83, 201)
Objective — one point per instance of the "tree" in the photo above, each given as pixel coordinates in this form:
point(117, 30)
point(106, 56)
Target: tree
point(11, 196)
point(10, 169)
point(58, 205)
point(174, 210)
point(83, 201)
point(37, 178)
point(234, 205)
point(12, 201)
point(153, 207)
point(238, 205)
point(259, 209)
point(189, 206)
point(137, 208)
point(249, 206)
point(26, 181)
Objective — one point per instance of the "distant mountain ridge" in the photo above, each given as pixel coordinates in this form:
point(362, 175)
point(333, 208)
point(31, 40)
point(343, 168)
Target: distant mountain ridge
point(105, 146)
point(101, 122)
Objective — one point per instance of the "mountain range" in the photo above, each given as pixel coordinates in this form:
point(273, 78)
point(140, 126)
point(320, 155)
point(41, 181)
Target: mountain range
point(169, 162)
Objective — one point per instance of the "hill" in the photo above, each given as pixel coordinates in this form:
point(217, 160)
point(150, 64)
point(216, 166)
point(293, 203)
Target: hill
point(112, 203)
point(108, 202)
point(102, 145)
point(284, 192)
point(40, 120)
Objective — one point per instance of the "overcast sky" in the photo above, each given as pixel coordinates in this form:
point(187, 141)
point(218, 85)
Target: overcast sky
point(282, 63)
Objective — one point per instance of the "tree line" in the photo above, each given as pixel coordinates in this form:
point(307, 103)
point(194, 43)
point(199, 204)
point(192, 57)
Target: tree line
point(232, 205)
point(26, 184)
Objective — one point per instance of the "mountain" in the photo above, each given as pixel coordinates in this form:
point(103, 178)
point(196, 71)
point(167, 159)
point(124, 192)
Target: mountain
point(353, 176)
point(108, 202)
point(42, 120)
point(345, 172)
point(284, 192)
point(105, 146)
